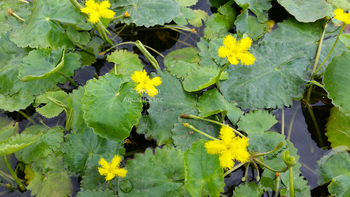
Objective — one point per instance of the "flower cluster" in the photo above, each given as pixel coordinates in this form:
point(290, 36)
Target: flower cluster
point(110, 170)
point(236, 51)
point(230, 148)
point(97, 10)
point(145, 84)
point(342, 16)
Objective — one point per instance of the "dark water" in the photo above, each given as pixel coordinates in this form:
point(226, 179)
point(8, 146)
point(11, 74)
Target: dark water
point(297, 121)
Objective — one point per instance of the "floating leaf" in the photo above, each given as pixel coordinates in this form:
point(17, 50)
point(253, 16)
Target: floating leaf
point(88, 55)
point(188, 54)
point(282, 72)
point(248, 189)
point(41, 64)
point(336, 80)
point(74, 102)
point(15, 102)
point(171, 102)
point(82, 37)
point(264, 142)
point(94, 193)
point(306, 12)
point(184, 15)
point(7, 128)
point(214, 46)
point(92, 178)
point(146, 12)
point(338, 128)
point(199, 15)
point(187, 2)
point(167, 165)
point(16, 143)
point(249, 25)
point(180, 68)
point(50, 177)
point(256, 121)
point(51, 109)
point(300, 186)
point(206, 59)
point(217, 25)
point(111, 106)
point(41, 28)
point(203, 173)
point(126, 62)
point(184, 137)
point(20, 8)
point(343, 4)
point(48, 143)
point(84, 149)
point(340, 185)
point(212, 102)
point(258, 7)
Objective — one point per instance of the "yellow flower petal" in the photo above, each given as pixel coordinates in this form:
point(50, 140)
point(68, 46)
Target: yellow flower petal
point(97, 10)
point(144, 84)
point(247, 58)
point(214, 147)
point(156, 81)
point(121, 172)
point(110, 170)
point(235, 51)
point(226, 160)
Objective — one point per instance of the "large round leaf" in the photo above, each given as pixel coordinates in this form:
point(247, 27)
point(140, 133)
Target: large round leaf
point(16, 143)
point(272, 81)
point(126, 62)
point(111, 106)
point(151, 175)
point(336, 82)
point(203, 173)
point(256, 121)
point(146, 12)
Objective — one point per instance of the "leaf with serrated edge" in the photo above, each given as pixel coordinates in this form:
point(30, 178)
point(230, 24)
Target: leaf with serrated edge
point(199, 16)
point(258, 7)
point(48, 143)
point(338, 127)
point(16, 143)
point(166, 107)
point(203, 173)
point(94, 193)
point(264, 142)
point(166, 164)
point(111, 106)
point(248, 189)
point(126, 62)
point(256, 121)
point(217, 24)
point(146, 12)
point(249, 25)
point(7, 128)
point(51, 110)
point(272, 81)
point(212, 102)
point(15, 102)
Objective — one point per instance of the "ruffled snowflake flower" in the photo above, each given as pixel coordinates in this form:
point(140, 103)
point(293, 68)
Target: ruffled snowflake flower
point(110, 170)
point(145, 84)
point(342, 16)
point(236, 51)
point(230, 148)
point(97, 10)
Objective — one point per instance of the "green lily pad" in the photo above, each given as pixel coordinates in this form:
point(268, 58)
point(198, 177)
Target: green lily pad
point(206, 58)
point(338, 128)
point(188, 54)
point(15, 102)
point(184, 15)
point(248, 189)
point(258, 7)
point(42, 30)
point(256, 121)
point(111, 107)
point(179, 68)
point(309, 11)
point(214, 46)
point(166, 164)
point(91, 51)
point(74, 102)
point(165, 109)
point(184, 137)
point(249, 25)
point(49, 177)
point(217, 25)
point(82, 37)
point(336, 82)
point(7, 128)
point(48, 143)
point(212, 102)
point(199, 16)
point(146, 12)
point(41, 64)
point(282, 72)
point(126, 62)
point(16, 143)
point(4, 28)
point(94, 193)
point(51, 109)
point(203, 173)
point(84, 150)
point(264, 142)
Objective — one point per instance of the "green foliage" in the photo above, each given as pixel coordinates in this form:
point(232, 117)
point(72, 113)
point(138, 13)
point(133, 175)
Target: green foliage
point(256, 121)
point(199, 15)
point(249, 25)
point(146, 12)
point(337, 128)
point(107, 103)
point(7, 128)
point(166, 164)
point(16, 143)
point(258, 7)
point(203, 173)
point(126, 62)
point(15, 102)
point(248, 189)
point(51, 109)
point(93, 193)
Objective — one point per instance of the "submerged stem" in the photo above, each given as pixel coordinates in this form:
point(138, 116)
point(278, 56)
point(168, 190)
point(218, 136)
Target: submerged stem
point(19, 183)
point(67, 77)
point(233, 169)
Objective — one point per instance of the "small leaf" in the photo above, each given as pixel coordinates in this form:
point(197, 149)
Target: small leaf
point(146, 12)
point(264, 142)
point(248, 189)
point(51, 109)
point(217, 25)
point(206, 56)
point(249, 25)
point(107, 108)
point(256, 121)
point(16, 143)
point(212, 102)
point(199, 16)
point(338, 127)
point(82, 37)
point(258, 7)
point(94, 193)
point(203, 173)
point(7, 128)
point(340, 186)
point(126, 62)
point(166, 164)
point(188, 54)
point(15, 102)
point(184, 15)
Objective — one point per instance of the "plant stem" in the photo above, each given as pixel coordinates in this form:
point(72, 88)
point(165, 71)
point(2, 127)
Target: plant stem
point(245, 177)
point(313, 82)
point(200, 132)
point(257, 171)
point(277, 183)
point(150, 58)
point(76, 4)
point(118, 17)
point(24, 1)
point(27, 117)
point(266, 153)
point(67, 77)
point(218, 77)
point(291, 123)
point(291, 186)
point(283, 120)
point(15, 15)
point(319, 48)
point(335, 43)
point(212, 121)
point(233, 169)
point(268, 167)
point(19, 183)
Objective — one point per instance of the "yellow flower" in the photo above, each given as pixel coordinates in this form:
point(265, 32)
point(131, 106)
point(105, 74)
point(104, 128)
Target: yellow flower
point(110, 170)
point(230, 148)
point(97, 10)
point(235, 51)
point(145, 84)
point(342, 16)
